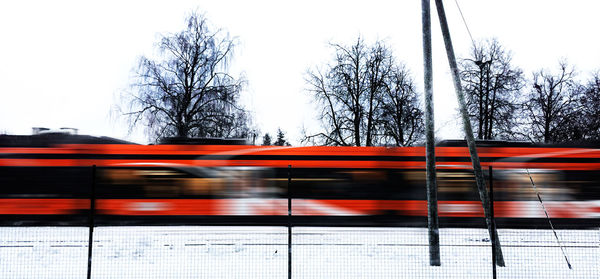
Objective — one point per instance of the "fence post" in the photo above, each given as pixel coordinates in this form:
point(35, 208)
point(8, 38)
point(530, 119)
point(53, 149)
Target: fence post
point(493, 236)
point(289, 200)
point(91, 222)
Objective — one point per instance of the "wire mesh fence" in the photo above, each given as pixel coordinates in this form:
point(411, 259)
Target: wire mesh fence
point(43, 252)
point(537, 254)
point(388, 253)
point(317, 252)
point(190, 252)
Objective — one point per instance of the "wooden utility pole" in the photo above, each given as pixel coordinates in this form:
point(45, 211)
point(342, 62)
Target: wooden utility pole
point(493, 240)
point(483, 195)
point(432, 209)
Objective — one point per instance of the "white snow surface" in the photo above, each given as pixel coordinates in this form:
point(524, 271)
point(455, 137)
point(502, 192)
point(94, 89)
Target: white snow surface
point(317, 252)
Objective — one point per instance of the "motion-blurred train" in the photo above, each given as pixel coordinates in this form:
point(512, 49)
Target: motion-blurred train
point(49, 179)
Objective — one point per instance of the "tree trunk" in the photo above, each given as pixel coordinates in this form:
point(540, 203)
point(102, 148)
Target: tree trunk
point(492, 109)
point(369, 141)
point(357, 128)
point(487, 104)
point(480, 112)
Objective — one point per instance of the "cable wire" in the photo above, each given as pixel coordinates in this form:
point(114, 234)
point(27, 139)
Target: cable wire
point(549, 221)
point(464, 21)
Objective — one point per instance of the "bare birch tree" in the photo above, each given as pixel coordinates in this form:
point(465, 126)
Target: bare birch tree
point(187, 92)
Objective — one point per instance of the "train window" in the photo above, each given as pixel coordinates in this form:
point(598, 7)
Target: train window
point(367, 176)
point(516, 185)
point(451, 184)
point(202, 186)
point(172, 183)
point(155, 183)
point(119, 176)
point(508, 185)
point(408, 185)
point(161, 183)
point(457, 185)
point(584, 185)
point(120, 182)
point(45, 182)
point(353, 184)
point(248, 182)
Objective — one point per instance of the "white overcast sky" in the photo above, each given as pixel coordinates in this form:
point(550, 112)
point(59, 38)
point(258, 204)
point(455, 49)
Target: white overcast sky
point(64, 63)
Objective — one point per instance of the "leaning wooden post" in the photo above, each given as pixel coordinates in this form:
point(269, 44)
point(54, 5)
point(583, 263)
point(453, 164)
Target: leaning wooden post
point(483, 195)
point(432, 209)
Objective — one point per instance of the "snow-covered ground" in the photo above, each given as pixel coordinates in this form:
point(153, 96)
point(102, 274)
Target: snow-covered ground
point(261, 252)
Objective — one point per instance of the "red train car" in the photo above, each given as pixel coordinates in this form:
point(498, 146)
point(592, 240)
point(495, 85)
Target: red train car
point(48, 179)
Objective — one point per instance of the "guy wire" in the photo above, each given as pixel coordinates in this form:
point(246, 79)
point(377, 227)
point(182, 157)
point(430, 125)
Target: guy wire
point(549, 221)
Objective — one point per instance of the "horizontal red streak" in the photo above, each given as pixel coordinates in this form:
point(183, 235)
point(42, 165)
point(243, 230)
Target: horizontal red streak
point(305, 207)
point(295, 164)
point(43, 206)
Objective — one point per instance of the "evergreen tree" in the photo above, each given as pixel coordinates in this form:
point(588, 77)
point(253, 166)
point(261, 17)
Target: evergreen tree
point(281, 138)
point(266, 139)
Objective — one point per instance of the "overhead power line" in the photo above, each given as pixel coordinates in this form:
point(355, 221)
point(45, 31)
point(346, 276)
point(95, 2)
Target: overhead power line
point(464, 21)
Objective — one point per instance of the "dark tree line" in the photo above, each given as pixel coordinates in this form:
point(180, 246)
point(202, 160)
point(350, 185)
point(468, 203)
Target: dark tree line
point(280, 141)
point(552, 107)
point(561, 108)
point(365, 97)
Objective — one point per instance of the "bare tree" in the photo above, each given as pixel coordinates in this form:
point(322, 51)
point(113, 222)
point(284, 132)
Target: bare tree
point(492, 86)
point(378, 70)
point(188, 92)
point(340, 92)
point(351, 94)
point(590, 102)
point(401, 119)
point(553, 106)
